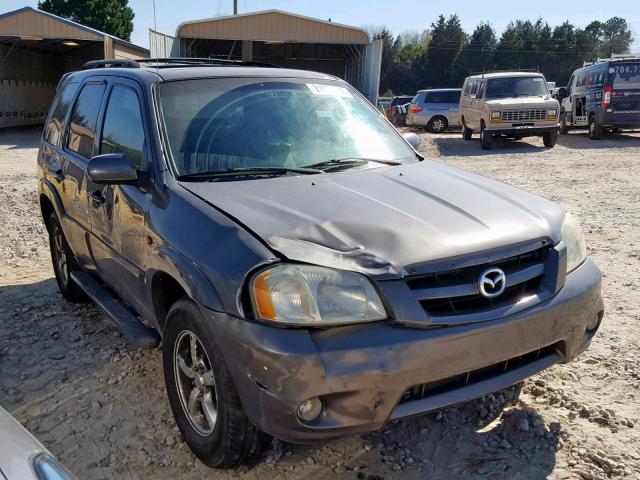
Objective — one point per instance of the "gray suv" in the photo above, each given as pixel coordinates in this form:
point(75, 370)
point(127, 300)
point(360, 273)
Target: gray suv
point(310, 274)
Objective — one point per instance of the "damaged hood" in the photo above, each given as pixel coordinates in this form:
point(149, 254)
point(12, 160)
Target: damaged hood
point(384, 221)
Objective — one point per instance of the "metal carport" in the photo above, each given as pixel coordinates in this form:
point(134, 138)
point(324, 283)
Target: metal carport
point(36, 49)
point(280, 38)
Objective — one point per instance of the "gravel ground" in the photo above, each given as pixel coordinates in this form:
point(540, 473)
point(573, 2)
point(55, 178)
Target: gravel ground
point(99, 403)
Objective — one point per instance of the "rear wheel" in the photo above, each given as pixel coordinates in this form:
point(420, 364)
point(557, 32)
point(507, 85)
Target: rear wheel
point(437, 124)
point(550, 139)
point(63, 262)
point(485, 138)
point(202, 394)
point(595, 129)
point(466, 132)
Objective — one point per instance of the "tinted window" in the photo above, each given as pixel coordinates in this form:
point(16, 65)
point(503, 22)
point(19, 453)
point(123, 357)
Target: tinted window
point(400, 101)
point(123, 131)
point(82, 128)
point(453, 97)
point(437, 97)
point(61, 104)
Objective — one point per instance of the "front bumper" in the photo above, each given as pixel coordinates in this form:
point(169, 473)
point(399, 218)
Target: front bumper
point(362, 372)
point(523, 131)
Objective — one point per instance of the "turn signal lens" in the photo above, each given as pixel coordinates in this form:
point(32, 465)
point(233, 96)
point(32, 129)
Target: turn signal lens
point(495, 117)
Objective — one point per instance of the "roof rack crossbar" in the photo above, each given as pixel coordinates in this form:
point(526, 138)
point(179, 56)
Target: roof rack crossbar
point(123, 63)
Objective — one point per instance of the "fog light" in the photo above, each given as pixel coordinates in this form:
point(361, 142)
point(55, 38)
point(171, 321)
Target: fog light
point(310, 409)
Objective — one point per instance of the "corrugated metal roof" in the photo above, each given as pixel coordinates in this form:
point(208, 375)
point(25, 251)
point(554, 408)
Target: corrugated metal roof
point(273, 26)
point(29, 22)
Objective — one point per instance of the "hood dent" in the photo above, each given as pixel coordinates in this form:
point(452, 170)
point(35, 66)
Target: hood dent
point(385, 221)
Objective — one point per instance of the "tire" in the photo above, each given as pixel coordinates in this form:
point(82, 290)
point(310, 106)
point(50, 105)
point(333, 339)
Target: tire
point(466, 132)
point(595, 130)
point(550, 139)
point(485, 139)
point(437, 125)
point(564, 128)
point(225, 438)
point(64, 262)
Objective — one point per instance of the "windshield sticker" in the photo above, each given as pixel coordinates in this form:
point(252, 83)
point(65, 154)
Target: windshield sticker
point(329, 90)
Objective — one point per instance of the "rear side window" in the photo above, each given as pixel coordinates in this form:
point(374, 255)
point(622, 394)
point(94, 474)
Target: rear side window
point(437, 97)
point(453, 97)
point(123, 130)
point(84, 117)
point(61, 104)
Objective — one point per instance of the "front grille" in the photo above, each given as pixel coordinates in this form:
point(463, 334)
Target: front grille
point(527, 115)
point(455, 292)
point(471, 377)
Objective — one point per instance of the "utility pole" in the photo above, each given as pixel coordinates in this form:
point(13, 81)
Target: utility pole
point(235, 7)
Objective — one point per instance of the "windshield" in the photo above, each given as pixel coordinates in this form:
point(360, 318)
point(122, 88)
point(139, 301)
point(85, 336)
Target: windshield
point(625, 76)
point(509, 87)
point(220, 124)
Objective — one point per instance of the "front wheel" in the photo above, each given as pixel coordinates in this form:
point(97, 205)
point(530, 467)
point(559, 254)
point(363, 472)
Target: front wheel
point(202, 394)
point(550, 139)
point(466, 132)
point(595, 130)
point(485, 138)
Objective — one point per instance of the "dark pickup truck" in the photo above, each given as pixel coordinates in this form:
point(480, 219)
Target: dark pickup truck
point(310, 274)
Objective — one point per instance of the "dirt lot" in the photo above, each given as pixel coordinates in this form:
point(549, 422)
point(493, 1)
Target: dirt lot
point(99, 404)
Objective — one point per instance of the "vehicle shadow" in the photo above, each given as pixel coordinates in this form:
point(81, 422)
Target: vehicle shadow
point(456, 146)
point(485, 438)
point(46, 340)
point(580, 140)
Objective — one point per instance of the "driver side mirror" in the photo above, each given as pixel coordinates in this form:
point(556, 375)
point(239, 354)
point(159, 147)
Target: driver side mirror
point(112, 169)
point(412, 139)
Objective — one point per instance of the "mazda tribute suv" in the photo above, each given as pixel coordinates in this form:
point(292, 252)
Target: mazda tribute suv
point(309, 273)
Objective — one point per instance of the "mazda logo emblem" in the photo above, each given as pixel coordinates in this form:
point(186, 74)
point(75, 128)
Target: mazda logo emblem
point(492, 283)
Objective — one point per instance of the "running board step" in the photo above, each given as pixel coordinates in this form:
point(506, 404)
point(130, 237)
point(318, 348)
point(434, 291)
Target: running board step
point(129, 325)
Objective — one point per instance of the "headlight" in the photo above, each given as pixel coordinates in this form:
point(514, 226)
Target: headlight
point(48, 468)
point(552, 114)
point(314, 296)
point(573, 238)
point(495, 116)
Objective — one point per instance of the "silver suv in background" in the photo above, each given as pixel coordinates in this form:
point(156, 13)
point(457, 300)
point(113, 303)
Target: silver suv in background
point(509, 105)
point(435, 110)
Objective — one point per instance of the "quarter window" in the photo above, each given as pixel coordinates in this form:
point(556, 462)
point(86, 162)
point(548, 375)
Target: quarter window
point(84, 117)
point(61, 104)
point(123, 130)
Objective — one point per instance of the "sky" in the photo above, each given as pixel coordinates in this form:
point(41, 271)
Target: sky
point(397, 16)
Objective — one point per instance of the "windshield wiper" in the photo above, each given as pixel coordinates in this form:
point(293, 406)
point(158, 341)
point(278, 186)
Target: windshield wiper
point(338, 163)
point(248, 171)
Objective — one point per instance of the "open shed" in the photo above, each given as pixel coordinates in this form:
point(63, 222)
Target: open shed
point(36, 49)
point(283, 39)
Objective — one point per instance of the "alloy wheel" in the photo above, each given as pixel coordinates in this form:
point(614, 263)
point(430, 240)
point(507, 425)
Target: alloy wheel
point(60, 255)
point(438, 125)
point(195, 382)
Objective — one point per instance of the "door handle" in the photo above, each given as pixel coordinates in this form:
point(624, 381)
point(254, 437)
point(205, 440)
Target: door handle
point(58, 175)
point(98, 198)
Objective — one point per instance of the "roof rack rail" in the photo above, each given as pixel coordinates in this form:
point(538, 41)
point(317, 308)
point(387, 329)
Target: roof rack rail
point(524, 70)
point(123, 63)
point(193, 61)
point(615, 57)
